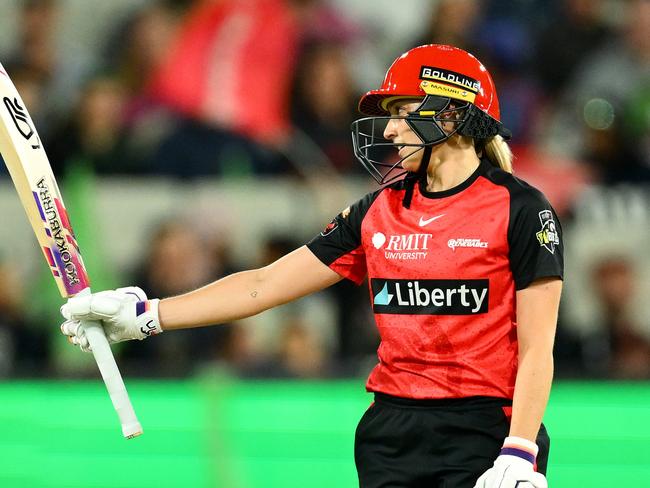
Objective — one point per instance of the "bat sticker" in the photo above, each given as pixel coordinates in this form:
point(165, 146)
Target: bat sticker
point(19, 116)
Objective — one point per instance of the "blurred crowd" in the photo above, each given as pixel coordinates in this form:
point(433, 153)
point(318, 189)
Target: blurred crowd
point(238, 89)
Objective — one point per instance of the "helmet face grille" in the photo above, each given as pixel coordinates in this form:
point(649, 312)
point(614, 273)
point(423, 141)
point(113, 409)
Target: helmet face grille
point(377, 154)
point(430, 121)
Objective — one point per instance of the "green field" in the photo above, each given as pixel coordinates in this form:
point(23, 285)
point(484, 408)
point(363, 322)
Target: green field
point(215, 433)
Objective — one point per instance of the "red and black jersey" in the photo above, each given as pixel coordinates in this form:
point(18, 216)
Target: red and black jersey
point(442, 276)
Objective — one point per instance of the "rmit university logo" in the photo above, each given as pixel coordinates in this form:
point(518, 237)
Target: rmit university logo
point(403, 247)
point(430, 297)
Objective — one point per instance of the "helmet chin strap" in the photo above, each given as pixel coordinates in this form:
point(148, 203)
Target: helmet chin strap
point(420, 175)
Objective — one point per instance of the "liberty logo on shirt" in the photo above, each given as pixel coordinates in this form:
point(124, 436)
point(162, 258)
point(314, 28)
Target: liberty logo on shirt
point(430, 297)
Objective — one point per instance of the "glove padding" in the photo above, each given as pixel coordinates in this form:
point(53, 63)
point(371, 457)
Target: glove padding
point(512, 471)
point(125, 314)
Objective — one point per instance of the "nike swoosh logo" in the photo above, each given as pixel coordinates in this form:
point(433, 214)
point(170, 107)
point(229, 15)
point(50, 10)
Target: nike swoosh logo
point(428, 221)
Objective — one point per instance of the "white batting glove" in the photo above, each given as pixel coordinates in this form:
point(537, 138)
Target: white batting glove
point(513, 468)
point(125, 314)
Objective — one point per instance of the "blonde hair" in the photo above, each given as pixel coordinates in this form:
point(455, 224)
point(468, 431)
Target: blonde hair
point(498, 152)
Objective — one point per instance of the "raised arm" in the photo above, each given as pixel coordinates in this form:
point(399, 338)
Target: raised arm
point(127, 314)
point(247, 293)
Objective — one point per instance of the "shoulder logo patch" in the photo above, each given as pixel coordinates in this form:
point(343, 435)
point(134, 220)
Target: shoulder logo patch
point(548, 236)
point(331, 227)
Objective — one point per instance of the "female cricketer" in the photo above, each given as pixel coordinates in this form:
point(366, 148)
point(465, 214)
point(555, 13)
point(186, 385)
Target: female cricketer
point(464, 265)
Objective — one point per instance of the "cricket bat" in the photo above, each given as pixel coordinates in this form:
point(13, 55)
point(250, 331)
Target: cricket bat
point(30, 170)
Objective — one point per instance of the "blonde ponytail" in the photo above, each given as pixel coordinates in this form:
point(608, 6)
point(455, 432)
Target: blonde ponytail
point(498, 152)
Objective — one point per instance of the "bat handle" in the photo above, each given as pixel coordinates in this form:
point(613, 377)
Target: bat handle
point(112, 378)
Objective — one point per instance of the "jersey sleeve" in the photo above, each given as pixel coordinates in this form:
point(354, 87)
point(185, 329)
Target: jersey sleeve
point(339, 244)
point(535, 238)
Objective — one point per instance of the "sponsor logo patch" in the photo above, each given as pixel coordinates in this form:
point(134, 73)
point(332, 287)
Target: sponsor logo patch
point(402, 246)
point(424, 221)
point(450, 78)
point(440, 89)
point(331, 227)
point(454, 243)
point(430, 297)
point(548, 237)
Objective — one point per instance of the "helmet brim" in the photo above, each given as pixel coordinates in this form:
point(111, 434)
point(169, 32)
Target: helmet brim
point(376, 102)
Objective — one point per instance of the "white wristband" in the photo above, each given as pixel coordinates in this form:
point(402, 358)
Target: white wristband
point(146, 316)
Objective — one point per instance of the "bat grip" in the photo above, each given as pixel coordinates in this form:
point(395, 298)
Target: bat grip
point(112, 378)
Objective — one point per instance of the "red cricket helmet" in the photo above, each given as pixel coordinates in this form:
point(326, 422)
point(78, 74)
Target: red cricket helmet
point(435, 69)
point(449, 82)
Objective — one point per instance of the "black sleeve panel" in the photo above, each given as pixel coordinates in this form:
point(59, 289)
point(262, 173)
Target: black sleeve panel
point(343, 234)
point(534, 236)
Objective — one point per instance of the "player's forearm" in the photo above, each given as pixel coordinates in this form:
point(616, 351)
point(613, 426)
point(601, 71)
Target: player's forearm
point(234, 297)
point(532, 389)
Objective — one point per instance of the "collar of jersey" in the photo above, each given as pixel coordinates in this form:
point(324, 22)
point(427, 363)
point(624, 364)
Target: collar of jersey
point(458, 188)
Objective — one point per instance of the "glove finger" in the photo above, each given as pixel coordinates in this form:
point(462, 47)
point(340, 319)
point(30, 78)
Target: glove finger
point(81, 305)
point(134, 293)
point(76, 306)
point(98, 306)
point(84, 345)
point(82, 342)
point(65, 312)
point(70, 327)
point(105, 305)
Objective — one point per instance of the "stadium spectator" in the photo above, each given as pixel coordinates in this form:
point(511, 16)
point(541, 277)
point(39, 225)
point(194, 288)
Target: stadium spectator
point(301, 354)
point(59, 73)
point(589, 121)
point(140, 44)
point(454, 22)
point(574, 34)
point(620, 351)
point(24, 349)
point(227, 55)
point(267, 345)
point(322, 106)
point(94, 136)
point(178, 259)
point(135, 51)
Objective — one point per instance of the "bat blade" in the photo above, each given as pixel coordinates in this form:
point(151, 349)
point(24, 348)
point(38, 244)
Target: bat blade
point(32, 175)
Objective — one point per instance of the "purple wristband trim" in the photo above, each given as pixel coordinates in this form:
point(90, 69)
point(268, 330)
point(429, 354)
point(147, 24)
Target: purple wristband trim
point(140, 308)
point(513, 451)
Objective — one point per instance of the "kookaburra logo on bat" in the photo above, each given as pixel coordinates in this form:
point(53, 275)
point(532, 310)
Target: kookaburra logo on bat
point(53, 219)
point(21, 120)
